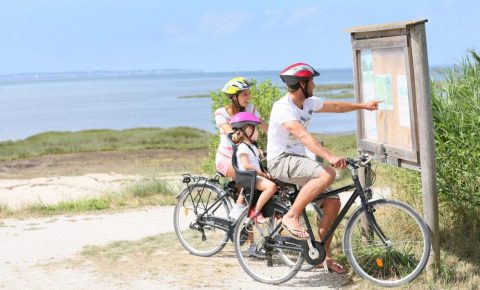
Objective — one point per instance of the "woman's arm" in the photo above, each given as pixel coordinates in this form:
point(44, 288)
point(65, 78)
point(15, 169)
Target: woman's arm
point(226, 128)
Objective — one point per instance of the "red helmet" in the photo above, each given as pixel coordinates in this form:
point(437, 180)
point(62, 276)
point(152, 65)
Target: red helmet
point(297, 72)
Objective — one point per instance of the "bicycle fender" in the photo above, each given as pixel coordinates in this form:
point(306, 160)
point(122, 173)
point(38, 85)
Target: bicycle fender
point(360, 208)
point(186, 190)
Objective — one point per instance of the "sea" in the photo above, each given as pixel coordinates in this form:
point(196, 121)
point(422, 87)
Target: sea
point(121, 102)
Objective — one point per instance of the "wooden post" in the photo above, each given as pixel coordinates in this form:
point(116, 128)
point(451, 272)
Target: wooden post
point(426, 139)
point(365, 179)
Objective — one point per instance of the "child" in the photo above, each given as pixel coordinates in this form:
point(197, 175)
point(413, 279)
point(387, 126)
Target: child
point(248, 156)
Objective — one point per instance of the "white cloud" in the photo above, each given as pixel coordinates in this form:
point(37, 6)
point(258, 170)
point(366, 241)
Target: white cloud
point(210, 25)
point(179, 34)
point(172, 30)
point(303, 14)
point(272, 19)
point(279, 19)
point(224, 24)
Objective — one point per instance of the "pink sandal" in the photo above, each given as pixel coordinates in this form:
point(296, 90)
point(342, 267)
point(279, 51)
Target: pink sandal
point(257, 217)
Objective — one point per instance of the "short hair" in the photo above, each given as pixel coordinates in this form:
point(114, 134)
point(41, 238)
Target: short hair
point(293, 88)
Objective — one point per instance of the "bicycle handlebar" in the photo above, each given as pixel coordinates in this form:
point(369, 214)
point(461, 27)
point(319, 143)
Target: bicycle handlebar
point(361, 161)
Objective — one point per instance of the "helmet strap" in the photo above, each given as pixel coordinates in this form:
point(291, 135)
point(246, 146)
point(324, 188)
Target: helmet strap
point(249, 136)
point(305, 90)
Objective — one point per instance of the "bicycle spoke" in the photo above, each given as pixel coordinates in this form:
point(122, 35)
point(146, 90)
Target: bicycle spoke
point(259, 256)
point(196, 220)
point(402, 258)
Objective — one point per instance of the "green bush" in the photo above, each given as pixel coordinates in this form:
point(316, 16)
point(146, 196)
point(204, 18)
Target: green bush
point(264, 94)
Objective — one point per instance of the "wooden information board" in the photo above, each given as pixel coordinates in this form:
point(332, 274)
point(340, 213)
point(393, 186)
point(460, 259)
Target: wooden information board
point(383, 70)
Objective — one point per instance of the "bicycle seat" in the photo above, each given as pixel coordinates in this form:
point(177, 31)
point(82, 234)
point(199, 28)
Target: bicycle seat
point(281, 183)
point(244, 178)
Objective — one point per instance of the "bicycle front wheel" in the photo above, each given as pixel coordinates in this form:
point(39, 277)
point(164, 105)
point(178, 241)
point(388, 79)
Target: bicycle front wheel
point(399, 259)
point(201, 219)
point(258, 250)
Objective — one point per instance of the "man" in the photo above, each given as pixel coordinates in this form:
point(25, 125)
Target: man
point(287, 142)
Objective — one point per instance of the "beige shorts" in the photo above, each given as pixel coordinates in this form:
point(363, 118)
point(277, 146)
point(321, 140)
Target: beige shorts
point(295, 169)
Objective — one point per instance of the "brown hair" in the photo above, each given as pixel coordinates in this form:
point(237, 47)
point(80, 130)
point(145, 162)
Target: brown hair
point(232, 109)
point(293, 88)
point(238, 137)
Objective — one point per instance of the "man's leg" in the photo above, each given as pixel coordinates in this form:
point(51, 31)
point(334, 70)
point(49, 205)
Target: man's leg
point(309, 191)
point(331, 207)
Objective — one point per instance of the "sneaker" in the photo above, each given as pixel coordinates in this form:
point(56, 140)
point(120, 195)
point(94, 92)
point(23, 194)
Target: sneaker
point(236, 212)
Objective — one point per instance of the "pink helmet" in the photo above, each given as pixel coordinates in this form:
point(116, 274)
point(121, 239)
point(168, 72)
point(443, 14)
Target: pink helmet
point(244, 118)
point(297, 72)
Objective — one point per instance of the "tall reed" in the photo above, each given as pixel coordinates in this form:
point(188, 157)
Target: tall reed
point(456, 114)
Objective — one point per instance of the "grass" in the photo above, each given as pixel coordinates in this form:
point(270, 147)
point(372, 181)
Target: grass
point(341, 145)
point(332, 87)
point(104, 140)
point(341, 95)
point(145, 192)
point(335, 91)
point(150, 191)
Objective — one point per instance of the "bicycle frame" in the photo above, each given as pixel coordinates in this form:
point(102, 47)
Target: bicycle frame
point(358, 192)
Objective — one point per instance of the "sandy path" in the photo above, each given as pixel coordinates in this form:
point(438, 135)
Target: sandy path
point(39, 240)
point(26, 244)
point(34, 252)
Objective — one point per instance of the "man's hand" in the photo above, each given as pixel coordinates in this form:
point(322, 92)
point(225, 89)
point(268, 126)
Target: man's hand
point(337, 162)
point(371, 106)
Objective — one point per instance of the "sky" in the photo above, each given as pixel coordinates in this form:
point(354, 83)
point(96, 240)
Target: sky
point(214, 35)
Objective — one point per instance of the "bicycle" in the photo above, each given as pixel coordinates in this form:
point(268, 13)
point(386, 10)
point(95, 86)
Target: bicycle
point(201, 215)
point(385, 241)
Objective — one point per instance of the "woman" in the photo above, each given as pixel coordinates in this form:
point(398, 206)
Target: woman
point(238, 91)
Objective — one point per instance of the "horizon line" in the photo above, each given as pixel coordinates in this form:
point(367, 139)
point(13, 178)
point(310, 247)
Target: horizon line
point(161, 71)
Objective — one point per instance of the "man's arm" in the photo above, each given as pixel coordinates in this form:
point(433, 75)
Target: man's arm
point(297, 130)
point(343, 107)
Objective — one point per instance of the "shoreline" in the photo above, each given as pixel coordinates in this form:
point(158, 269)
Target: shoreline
point(10, 141)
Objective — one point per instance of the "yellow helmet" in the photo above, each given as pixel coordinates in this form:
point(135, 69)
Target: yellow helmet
point(235, 86)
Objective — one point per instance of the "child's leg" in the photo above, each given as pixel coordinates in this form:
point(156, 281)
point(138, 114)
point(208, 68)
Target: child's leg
point(268, 188)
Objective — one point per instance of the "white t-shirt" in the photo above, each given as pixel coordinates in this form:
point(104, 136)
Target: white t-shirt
point(253, 159)
point(222, 117)
point(284, 110)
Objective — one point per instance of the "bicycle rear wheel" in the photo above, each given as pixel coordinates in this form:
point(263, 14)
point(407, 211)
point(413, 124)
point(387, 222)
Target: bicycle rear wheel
point(404, 255)
point(201, 219)
point(262, 261)
point(313, 221)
